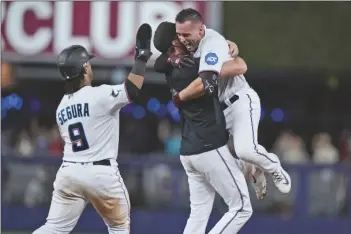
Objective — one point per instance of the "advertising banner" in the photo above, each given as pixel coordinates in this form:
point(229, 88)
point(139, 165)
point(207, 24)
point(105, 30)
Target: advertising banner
point(37, 31)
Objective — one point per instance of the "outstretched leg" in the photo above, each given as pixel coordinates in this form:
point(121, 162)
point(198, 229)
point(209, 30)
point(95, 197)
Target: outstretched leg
point(245, 115)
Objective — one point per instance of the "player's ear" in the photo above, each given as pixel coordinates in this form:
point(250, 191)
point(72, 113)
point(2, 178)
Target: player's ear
point(202, 29)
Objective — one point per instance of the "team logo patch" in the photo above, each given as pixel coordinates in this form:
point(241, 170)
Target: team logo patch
point(209, 86)
point(211, 59)
point(115, 93)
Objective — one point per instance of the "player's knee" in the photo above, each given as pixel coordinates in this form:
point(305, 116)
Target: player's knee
point(243, 209)
point(244, 214)
point(248, 211)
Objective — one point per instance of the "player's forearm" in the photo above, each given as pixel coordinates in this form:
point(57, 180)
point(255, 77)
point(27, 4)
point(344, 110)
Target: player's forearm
point(233, 67)
point(206, 83)
point(136, 76)
point(137, 80)
point(194, 90)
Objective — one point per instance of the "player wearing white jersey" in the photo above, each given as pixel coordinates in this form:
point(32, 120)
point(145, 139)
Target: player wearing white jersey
point(240, 103)
point(88, 120)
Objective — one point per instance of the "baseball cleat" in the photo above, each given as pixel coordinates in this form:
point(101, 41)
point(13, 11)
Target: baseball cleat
point(259, 183)
point(282, 180)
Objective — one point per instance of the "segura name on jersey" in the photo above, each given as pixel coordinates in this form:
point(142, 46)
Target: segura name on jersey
point(72, 112)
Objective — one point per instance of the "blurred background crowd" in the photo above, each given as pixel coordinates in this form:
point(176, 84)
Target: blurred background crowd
point(138, 138)
point(32, 185)
point(298, 62)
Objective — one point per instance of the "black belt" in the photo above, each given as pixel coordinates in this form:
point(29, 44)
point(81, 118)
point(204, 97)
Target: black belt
point(104, 162)
point(231, 101)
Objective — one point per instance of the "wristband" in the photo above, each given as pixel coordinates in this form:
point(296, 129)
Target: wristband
point(139, 67)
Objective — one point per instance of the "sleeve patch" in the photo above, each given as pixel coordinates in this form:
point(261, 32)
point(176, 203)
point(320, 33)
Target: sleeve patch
point(115, 92)
point(211, 58)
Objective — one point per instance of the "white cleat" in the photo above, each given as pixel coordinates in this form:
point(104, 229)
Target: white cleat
point(259, 183)
point(282, 180)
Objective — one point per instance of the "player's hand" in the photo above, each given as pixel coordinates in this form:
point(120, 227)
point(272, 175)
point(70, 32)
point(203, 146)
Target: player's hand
point(175, 98)
point(143, 43)
point(233, 49)
point(181, 61)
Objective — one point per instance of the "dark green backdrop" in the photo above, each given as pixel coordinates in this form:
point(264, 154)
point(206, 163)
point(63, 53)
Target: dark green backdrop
point(310, 35)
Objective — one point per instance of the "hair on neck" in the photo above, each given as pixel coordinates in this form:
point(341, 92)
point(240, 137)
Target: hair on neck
point(73, 85)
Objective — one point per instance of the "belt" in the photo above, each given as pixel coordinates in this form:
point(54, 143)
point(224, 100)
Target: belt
point(104, 162)
point(231, 101)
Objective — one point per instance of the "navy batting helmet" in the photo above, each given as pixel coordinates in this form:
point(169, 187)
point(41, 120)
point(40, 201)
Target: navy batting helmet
point(71, 61)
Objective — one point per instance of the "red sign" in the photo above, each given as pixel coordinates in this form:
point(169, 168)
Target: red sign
point(106, 29)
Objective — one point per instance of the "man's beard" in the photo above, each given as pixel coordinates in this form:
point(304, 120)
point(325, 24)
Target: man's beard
point(192, 46)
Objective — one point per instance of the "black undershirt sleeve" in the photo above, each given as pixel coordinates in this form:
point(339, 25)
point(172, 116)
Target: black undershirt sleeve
point(209, 80)
point(132, 90)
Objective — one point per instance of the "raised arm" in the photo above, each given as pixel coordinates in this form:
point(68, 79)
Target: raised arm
point(135, 79)
point(114, 97)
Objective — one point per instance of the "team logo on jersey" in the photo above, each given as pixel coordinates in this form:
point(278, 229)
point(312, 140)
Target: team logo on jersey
point(209, 86)
point(115, 93)
point(211, 59)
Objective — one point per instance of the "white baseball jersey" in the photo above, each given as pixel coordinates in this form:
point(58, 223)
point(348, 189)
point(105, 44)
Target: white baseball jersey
point(89, 122)
point(213, 51)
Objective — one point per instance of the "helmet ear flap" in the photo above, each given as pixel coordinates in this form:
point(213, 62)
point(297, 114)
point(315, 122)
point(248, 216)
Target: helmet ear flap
point(63, 74)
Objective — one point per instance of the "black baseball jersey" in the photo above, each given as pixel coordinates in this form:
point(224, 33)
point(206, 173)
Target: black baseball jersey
point(202, 120)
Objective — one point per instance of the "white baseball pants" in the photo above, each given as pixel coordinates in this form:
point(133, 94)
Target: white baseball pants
point(76, 185)
point(212, 171)
point(242, 120)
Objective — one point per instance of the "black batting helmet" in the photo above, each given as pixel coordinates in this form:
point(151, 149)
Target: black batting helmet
point(164, 35)
point(71, 61)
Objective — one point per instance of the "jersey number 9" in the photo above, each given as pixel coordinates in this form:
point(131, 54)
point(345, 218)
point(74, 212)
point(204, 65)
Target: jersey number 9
point(77, 136)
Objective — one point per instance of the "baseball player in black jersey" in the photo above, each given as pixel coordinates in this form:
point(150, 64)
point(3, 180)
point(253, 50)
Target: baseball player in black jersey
point(209, 165)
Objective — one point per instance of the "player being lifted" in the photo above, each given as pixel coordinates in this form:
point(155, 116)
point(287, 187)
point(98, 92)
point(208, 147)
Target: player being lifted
point(240, 103)
point(88, 119)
